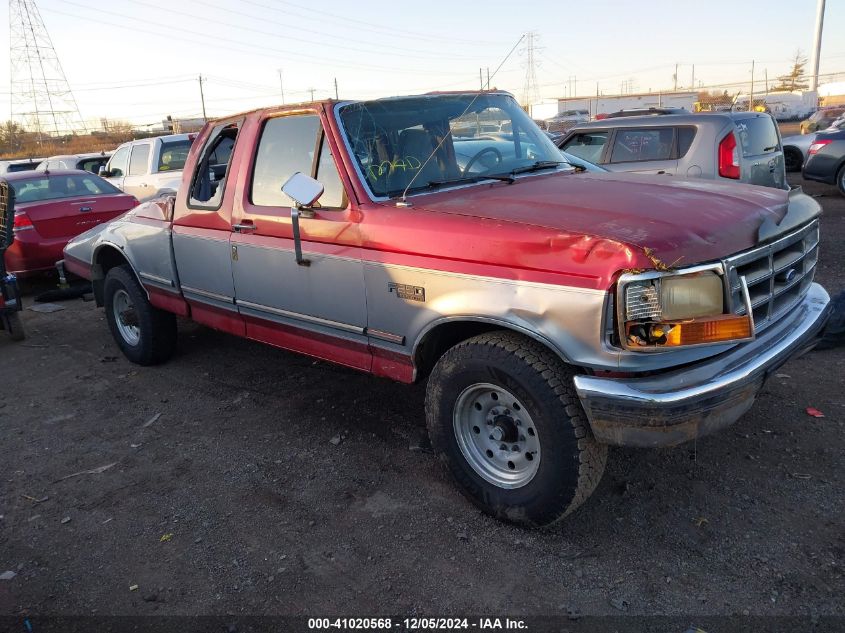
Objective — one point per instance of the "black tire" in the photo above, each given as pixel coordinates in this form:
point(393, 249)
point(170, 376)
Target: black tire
point(571, 461)
point(793, 159)
point(840, 180)
point(14, 326)
point(156, 329)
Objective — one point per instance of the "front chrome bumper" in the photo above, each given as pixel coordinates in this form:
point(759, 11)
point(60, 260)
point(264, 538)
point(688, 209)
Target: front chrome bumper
point(673, 407)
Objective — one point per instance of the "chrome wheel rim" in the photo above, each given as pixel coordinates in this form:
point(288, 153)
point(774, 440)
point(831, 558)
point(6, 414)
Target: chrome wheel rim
point(496, 435)
point(125, 317)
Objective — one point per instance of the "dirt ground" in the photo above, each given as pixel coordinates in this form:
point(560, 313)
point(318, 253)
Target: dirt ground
point(242, 479)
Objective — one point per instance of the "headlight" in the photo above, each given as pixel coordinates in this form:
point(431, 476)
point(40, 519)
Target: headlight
point(674, 310)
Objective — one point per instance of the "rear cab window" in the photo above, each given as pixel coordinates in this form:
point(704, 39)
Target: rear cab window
point(209, 180)
point(139, 159)
point(757, 135)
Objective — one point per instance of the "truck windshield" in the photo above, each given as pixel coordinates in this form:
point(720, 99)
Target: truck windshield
point(439, 140)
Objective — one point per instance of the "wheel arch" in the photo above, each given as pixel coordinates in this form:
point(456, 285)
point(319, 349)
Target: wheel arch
point(443, 334)
point(107, 256)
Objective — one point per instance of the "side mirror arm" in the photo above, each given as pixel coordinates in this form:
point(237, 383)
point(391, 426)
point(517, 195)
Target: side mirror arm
point(295, 212)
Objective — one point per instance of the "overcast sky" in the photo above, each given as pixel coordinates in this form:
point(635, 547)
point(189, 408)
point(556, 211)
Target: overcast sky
point(140, 59)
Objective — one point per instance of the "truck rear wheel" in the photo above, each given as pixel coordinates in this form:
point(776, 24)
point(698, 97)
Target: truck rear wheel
point(503, 417)
point(145, 334)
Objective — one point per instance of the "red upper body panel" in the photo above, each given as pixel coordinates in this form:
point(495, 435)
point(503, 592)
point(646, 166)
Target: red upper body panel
point(577, 229)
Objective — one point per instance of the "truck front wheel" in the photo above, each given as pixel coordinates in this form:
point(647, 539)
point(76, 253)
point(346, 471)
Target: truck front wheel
point(503, 416)
point(145, 334)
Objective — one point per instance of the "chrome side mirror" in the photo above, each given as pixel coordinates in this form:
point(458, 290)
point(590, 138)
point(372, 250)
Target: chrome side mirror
point(101, 171)
point(304, 191)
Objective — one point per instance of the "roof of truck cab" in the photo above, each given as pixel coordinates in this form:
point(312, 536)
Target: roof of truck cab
point(328, 103)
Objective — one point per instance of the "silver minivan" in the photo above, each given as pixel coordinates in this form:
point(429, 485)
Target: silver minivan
point(739, 146)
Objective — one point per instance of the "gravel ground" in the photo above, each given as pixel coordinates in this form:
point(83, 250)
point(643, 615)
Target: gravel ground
point(242, 479)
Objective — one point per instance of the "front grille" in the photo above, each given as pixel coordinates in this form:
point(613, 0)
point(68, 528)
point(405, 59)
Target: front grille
point(778, 274)
point(7, 214)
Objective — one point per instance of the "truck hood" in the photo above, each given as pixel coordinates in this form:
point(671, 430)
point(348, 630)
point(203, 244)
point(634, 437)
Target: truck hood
point(679, 220)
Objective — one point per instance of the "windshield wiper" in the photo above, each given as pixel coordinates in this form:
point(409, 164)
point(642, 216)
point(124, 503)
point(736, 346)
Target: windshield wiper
point(540, 164)
point(455, 181)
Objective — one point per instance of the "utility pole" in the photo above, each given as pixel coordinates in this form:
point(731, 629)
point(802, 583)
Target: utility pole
point(312, 91)
point(335, 89)
point(817, 46)
point(751, 96)
point(676, 77)
point(693, 77)
point(202, 98)
point(480, 80)
point(488, 78)
point(281, 86)
point(766, 74)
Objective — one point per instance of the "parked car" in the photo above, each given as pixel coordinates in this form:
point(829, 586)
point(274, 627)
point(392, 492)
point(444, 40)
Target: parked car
point(562, 121)
point(551, 312)
point(86, 162)
point(51, 208)
point(826, 159)
point(11, 166)
point(821, 119)
point(148, 167)
point(724, 146)
point(797, 146)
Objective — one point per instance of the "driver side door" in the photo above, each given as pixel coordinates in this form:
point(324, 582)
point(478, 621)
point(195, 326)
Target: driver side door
point(319, 308)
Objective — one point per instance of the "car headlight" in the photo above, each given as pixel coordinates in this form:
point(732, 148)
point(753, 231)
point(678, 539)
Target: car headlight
point(660, 310)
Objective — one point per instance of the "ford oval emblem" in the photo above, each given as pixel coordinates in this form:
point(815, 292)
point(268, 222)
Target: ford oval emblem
point(787, 276)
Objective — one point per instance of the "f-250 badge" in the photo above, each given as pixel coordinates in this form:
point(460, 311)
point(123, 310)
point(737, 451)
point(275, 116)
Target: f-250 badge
point(408, 292)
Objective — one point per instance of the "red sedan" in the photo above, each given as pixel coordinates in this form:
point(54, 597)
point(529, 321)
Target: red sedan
point(51, 208)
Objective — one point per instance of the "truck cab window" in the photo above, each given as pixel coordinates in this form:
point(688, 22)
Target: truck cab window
point(139, 159)
point(209, 181)
point(118, 163)
point(288, 145)
point(333, 194)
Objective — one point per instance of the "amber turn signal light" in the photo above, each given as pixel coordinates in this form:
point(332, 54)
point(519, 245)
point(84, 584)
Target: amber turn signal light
point(712, 330)
point(717, 329)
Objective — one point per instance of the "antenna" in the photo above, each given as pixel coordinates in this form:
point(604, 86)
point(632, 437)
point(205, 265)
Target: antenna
point(42, 101)
point(404, 201)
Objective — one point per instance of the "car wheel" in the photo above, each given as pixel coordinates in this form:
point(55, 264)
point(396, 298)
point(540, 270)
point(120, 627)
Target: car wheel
point(503, 417)
point(13, 325)
point(145, 334)
point(793, 159)
point(840, 180)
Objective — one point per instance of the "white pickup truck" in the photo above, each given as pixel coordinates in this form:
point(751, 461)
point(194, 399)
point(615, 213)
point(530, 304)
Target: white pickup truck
point(148, 167)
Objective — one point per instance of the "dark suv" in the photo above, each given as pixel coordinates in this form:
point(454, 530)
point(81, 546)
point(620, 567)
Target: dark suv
point(729, 146)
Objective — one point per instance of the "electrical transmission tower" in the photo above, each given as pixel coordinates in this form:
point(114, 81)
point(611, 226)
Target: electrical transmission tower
point(530, 92)
point(42, 101)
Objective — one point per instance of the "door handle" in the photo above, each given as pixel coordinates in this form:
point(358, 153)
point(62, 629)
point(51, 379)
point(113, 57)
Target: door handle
point(143, 184)
point(245, 226)
point(81, 209)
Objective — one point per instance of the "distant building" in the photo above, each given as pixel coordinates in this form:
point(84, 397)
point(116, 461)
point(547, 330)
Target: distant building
point(605, 104)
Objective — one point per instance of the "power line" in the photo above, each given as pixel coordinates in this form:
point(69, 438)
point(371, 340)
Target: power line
point(403, 51)
point(250, 47)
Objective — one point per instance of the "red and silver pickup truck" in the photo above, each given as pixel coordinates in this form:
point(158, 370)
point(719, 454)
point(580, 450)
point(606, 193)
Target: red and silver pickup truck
point(441, 237)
